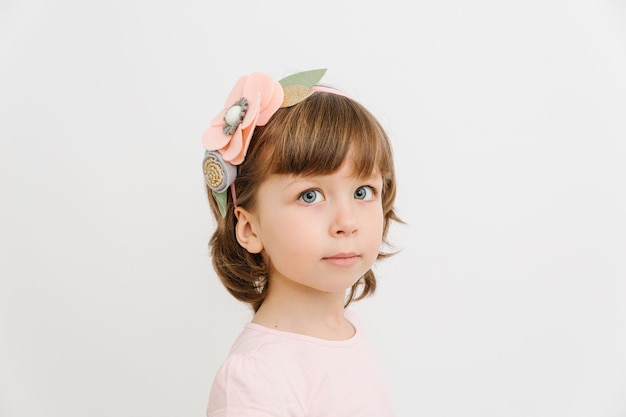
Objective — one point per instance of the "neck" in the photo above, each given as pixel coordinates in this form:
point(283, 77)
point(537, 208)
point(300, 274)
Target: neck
point(311, 313)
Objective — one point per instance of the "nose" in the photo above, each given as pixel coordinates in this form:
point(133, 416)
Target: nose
point(345, 221)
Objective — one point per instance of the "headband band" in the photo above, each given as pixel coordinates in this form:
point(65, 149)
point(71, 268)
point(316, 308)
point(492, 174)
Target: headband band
point(323, 89)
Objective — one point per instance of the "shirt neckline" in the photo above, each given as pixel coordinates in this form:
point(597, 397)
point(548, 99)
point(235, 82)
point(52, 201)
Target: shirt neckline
point(311, 339)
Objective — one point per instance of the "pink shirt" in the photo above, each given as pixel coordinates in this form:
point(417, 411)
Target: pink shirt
point(272, 373)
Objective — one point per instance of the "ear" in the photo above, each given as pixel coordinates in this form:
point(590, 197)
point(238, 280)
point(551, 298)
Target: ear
point(246, 231)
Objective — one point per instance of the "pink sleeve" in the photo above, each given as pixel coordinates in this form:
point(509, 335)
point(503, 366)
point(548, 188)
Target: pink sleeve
point(245, 387)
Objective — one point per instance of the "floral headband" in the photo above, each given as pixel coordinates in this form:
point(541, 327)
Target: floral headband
point(252, 102)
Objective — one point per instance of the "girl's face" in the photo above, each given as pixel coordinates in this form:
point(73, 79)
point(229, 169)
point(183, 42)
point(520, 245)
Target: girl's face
point(319, 233)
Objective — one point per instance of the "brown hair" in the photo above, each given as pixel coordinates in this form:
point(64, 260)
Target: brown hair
point(313, 137)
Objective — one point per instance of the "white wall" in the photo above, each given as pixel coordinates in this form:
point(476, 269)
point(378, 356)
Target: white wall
point(509, 124)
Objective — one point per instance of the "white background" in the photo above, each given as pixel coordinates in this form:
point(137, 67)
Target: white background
point(508, 120)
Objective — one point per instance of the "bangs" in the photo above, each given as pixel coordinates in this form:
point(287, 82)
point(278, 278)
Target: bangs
point(316, 136)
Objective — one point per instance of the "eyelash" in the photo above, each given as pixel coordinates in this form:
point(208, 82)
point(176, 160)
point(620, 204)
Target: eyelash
point(373, 191)
point(302, 194)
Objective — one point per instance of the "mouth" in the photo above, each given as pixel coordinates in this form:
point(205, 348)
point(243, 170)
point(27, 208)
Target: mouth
point(342, 259)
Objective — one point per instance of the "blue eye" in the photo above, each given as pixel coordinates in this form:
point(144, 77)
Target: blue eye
point(311, 196)
point(364, 193)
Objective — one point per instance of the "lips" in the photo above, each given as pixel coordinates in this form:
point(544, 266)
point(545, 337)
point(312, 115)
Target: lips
point(342, 259)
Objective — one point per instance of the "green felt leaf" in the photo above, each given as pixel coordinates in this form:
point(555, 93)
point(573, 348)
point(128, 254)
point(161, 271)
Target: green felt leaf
point(220, 199)
point(306, 78)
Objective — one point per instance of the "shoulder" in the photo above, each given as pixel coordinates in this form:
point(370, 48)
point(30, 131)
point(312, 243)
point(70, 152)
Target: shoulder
point(253, 378)
point(241, 382)
point(271, 372)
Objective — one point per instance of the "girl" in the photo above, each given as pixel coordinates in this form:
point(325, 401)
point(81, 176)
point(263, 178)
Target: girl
point(301, 181)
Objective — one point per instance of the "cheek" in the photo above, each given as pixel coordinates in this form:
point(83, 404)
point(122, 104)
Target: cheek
point(378, 223)
point(288, 237)
point(377, 230)
point(302, 238)
point(289, 253)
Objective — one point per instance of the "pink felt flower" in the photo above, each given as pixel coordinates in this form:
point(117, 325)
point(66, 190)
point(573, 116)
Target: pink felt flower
point(253, 100)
